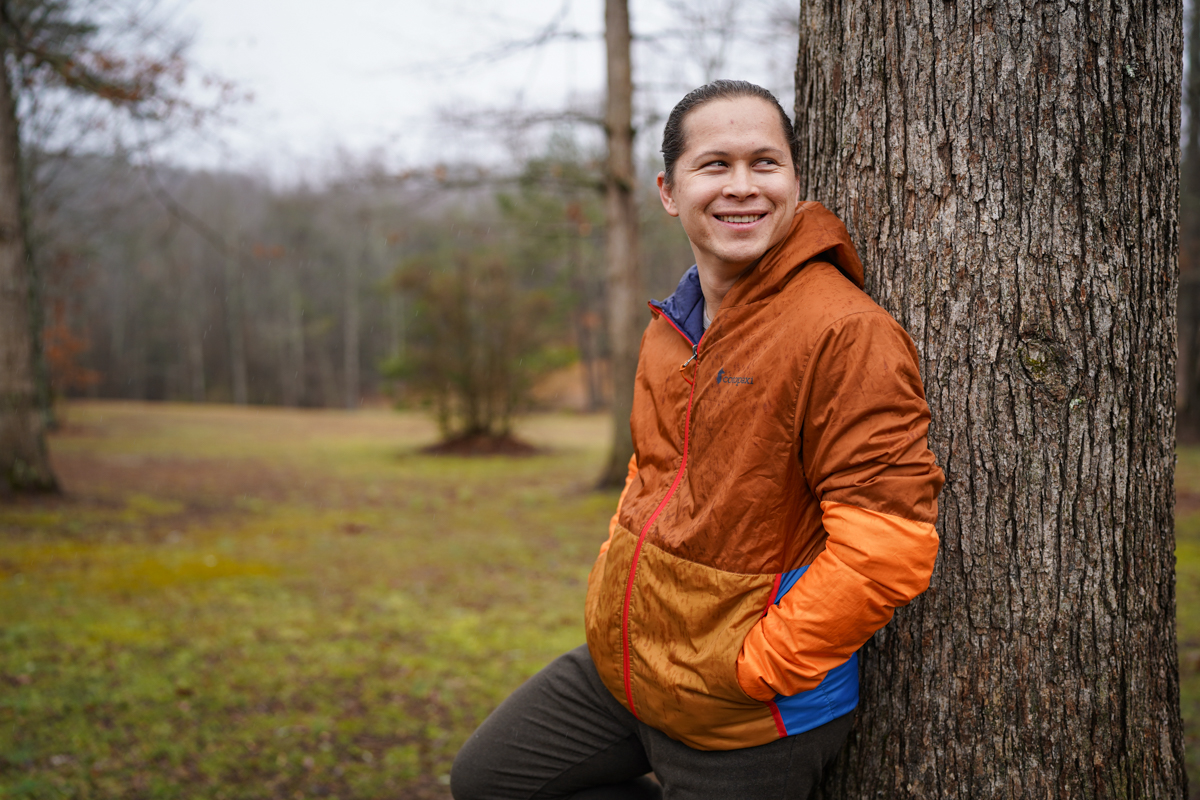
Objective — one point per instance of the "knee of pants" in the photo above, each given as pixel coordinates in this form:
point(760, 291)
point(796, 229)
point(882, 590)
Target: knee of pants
point(467, 780)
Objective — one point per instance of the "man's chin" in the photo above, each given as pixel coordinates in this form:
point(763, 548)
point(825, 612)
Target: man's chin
point(741, 257)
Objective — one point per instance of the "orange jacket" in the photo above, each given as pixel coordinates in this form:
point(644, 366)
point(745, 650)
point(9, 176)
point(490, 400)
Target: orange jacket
point(780, 501)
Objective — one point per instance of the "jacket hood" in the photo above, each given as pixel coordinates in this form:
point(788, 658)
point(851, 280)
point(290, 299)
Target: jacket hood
point(815, 232)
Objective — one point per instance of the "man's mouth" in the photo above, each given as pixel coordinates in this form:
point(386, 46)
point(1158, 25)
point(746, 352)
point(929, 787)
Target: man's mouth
point(740, 218)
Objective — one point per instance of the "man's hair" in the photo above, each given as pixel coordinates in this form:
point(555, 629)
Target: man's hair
point(673, 138)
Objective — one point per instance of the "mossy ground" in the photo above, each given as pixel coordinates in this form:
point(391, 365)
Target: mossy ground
point(243, 603)
point(252, 603)
point(1187, 604)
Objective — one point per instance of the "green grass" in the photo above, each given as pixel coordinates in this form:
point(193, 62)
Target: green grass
point(1187, 604)
point(247, 603)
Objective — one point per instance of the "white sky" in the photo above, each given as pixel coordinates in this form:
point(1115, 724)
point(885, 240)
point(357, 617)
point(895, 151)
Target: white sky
point(368, 76)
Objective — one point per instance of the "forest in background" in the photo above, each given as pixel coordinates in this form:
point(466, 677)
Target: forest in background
point(453, 286)
point(448, 285)
point(208, 286)
point(216, 287)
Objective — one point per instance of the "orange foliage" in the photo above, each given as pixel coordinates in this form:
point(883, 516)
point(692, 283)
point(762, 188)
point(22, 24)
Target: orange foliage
point(63, 348)
point(266, 252)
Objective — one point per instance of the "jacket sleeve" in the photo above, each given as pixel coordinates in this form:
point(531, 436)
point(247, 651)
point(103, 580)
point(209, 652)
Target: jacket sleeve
point(861, 423)
point(613, 523)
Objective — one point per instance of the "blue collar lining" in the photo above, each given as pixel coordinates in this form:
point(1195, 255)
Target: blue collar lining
point(686, 306)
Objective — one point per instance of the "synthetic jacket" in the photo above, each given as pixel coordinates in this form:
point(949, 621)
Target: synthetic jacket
point(780, 501)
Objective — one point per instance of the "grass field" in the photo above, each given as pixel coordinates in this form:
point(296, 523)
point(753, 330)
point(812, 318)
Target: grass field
point(235, 603)
point(252, 603)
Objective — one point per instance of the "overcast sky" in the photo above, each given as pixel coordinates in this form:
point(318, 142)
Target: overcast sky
point(369, 76)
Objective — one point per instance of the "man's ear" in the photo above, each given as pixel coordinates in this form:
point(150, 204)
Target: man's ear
point(799, 199)
point(664, 194)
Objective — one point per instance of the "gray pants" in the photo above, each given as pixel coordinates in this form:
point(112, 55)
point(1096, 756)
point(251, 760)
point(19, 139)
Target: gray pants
point(563, 735)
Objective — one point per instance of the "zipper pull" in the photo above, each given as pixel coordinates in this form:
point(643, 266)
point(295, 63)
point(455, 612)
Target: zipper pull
point(695, 355)
point(683, 367)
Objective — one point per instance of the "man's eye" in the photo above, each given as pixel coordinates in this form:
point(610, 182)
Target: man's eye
point(716, 164)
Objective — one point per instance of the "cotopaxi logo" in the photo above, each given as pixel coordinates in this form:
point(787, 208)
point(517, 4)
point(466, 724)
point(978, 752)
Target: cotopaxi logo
point(723, 378)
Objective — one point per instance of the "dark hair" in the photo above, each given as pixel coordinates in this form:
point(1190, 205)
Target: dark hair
point(673, 139)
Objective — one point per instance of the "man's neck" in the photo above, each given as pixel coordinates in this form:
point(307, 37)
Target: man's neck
point(715, 284)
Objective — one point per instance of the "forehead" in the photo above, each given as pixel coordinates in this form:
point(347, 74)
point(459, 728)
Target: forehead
point(742, 123)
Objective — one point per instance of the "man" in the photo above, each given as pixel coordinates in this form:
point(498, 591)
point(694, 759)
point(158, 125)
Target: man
point(779, 507)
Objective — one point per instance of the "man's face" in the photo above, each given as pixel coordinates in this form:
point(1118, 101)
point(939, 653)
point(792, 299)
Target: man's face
point(735, 189)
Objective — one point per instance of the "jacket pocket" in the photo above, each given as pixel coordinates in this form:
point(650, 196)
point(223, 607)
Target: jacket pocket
point(686, 626)
point(835, 695)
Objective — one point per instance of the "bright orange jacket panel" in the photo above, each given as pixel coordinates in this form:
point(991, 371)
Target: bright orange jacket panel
point(780, 502)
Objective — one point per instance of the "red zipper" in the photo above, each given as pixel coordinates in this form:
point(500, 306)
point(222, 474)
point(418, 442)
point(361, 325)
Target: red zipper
point(637, 551)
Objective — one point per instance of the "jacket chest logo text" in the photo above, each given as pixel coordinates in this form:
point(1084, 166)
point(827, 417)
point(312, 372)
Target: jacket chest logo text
point(727, 379)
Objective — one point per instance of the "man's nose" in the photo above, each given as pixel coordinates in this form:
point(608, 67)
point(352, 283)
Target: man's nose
point(741, 182)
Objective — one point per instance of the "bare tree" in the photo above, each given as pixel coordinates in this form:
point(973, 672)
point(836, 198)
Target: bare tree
point(351, 325)
point(707, 30)
point(1010, 175)
point(48, 46)
point(24, 462)
point(624, 278)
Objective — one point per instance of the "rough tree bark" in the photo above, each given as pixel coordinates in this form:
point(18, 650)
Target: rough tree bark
point(1009, 172)
point(24, 462)
point(621, 238)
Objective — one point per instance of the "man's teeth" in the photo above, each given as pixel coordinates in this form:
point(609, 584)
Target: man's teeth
point(738, 218)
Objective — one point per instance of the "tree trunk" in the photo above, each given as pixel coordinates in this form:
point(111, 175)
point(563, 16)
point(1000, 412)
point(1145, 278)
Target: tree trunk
point(621, 235)
point(1009, 174)
point(294, 364)
point(190, 316)
point(37, 316)
point(235, 323)
point(350, 333)
point(584, 323)
point(195, 342)
point(397, 318)
point(24, 462)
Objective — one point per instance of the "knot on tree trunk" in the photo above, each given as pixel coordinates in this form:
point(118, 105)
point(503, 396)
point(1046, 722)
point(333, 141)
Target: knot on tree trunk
point(1047, 365)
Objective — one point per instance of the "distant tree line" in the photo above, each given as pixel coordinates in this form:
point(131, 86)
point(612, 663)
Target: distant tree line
point(453, 286)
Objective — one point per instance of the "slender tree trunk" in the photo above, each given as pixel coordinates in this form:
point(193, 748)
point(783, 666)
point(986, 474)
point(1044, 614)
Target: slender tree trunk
point(396, 319)
point(294, 380)
point(195, 338)
point(350, 334)
point(190, 317)
point(621, 234)
point(196, 360)
point(585, 338)
point(235, 323)
point(116, 377)
point(330, 394)
point(136, 355)
point(584, 323)
point(24, 462)
point(41, 367)
point(1009, 173)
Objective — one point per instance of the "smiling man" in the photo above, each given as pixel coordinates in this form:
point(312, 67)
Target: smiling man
point(779, 507)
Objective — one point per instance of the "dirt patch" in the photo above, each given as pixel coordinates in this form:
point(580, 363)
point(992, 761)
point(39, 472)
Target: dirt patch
point(1186, 502)
point(482, 444)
